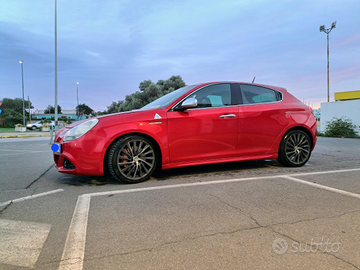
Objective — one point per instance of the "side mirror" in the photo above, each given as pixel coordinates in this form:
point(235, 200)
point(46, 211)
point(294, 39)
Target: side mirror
point(187, 104)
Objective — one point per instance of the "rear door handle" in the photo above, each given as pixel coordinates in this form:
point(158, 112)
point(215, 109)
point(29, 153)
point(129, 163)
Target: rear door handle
point(228, 116)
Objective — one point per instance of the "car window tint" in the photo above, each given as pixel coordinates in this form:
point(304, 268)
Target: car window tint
point(252, 94)
point(217, 95)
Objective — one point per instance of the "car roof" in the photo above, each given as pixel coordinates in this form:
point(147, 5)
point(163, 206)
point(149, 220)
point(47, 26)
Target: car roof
point(248, 83)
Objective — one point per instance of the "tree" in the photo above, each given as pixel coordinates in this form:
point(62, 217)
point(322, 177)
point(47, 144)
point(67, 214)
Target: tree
point(12, 111)
point(149, 92)
point(114, 107)
point(84, 109)
point(15, 104)
point(11, 117)
point(51, 109)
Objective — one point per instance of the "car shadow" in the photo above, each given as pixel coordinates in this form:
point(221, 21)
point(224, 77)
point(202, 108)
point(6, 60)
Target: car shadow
point(164, 175)
point(217, 168)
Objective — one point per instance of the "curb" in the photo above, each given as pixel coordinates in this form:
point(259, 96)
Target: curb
point(23, 136)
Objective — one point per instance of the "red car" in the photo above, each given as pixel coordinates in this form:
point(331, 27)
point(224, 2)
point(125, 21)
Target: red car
point(199, 124)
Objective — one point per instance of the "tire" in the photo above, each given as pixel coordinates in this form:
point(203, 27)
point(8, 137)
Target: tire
point(295, 149)
point(33, 127)
point(132, 159)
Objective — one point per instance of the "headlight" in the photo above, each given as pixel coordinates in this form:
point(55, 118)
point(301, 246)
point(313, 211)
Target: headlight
point(78, 131)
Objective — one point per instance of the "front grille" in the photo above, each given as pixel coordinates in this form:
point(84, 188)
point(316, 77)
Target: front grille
point(68, 165)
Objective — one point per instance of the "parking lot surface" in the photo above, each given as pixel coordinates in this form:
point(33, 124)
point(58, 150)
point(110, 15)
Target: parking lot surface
point(246, 215)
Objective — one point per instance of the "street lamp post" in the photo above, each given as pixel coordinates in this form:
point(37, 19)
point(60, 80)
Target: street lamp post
point(77, 107)
point(22, 82)
point(29, 109)
point(327, 32)
point(56, 73)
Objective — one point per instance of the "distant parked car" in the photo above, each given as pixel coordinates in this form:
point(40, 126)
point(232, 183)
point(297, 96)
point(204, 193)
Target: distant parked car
point(35, 125)
point(40, 124)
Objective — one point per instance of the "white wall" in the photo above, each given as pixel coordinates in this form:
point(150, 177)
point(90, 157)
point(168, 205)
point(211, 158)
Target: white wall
point(347, 108)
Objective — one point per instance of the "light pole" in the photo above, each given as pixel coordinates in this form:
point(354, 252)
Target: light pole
point(29, 109)
point(22, 82)
point(327, 31)
point(56, 78)
point(77, 107)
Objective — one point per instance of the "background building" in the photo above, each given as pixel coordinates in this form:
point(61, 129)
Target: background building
point(39, 115)
point(346, 104)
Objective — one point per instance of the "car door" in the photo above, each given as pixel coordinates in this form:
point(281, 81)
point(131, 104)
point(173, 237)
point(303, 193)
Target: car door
point(262, 118)
point(207, 132)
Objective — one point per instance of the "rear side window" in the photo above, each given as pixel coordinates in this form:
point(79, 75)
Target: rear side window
point(252, 94)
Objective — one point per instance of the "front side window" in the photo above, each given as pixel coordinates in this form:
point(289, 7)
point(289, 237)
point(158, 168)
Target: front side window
point(166, 100)
point(218, 95)
point(252, 94)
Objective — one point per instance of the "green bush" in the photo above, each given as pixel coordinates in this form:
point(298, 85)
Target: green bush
point(68, 121)
point(340, 127)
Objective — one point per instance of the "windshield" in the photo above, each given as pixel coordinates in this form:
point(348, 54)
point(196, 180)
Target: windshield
point(167, 99)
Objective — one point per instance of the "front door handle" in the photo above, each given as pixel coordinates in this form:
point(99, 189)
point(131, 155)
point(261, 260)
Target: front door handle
point(228, 116)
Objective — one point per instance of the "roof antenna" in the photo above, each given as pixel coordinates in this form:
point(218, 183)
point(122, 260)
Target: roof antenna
point(253, 79)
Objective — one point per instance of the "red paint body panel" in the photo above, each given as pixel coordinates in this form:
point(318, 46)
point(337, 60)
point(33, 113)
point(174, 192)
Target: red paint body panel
point(259, 126)
point(193, 136)
point(204, 134)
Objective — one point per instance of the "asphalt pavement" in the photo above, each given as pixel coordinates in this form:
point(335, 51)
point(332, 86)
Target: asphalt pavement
point(240, 215)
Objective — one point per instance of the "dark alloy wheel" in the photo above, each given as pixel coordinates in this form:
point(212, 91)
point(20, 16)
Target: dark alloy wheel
point(132, 159)
point(295, 149)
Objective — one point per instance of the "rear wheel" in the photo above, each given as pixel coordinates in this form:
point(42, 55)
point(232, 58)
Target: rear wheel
point(132, 159)
point(295, 149)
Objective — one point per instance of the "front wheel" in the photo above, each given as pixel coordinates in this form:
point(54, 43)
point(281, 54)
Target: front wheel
point(132, 159)
point(295, 149)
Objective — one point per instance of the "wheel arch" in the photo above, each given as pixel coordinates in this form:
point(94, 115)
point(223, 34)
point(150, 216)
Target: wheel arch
point(153, 141)
point(304, 129)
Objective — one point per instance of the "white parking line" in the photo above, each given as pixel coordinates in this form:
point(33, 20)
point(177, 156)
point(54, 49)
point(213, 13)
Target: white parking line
point(31, 197)
point(323, 187)
point(74, 251)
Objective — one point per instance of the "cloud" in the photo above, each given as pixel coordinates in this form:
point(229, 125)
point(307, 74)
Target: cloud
point(111, 46)
point(94, 54)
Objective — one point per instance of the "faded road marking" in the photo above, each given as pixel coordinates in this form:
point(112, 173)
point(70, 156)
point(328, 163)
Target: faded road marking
point(21, 242)
point(74, 251)
point(30, 197)
point(343, 192)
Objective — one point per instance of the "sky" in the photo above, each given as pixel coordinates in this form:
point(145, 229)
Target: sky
point(110, 46)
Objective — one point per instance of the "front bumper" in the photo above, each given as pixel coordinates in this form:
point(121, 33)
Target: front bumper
point(84, 155)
